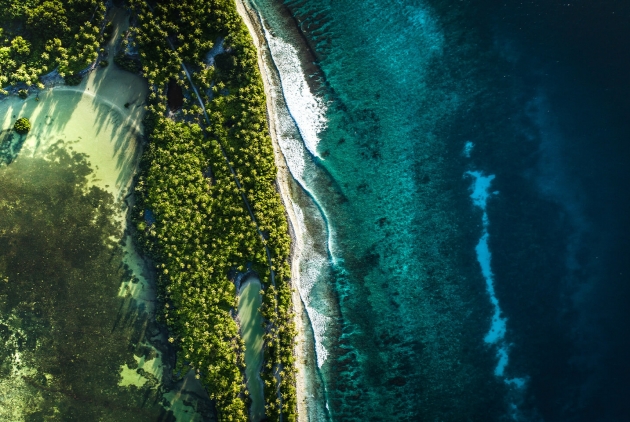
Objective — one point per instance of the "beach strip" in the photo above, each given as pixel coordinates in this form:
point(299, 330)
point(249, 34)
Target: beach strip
point(283, 179)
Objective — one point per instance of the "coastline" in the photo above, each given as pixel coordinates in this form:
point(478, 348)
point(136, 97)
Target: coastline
point(297, 241)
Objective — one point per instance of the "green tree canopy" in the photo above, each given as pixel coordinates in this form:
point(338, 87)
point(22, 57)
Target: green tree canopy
point(22, 126)
point(48, 19)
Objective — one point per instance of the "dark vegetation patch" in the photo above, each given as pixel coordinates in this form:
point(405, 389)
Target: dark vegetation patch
point(73, 80)
point(60, 273)
point(40, 36)
point(127, 62)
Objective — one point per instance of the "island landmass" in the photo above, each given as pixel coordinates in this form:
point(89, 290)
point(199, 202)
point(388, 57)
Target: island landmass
point(207, 208)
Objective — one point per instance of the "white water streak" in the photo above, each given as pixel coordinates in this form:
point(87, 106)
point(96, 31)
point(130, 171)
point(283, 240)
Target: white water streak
point(496, 335)
point(480, 194)
point(295, 154)
point(307, 113)
point(308, 110)
point(311, 268)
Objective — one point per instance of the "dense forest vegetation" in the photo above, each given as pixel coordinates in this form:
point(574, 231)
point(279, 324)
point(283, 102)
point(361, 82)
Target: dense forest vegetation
point(39, 36)
point(207, 206)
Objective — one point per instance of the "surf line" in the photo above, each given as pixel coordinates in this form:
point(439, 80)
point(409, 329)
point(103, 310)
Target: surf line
point(496, 335)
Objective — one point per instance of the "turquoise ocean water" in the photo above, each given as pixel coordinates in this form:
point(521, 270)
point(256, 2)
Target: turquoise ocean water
point(470, 162)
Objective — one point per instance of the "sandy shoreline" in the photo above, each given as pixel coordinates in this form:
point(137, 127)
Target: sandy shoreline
point(283, 180)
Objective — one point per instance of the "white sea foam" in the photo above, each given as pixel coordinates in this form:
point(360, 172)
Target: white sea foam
point(496, 335)
point(308, 110)
point(292, 149)
point(307, 113)
point(319, 322)
point(480, 194)
point(311, 265)
point(297, 132)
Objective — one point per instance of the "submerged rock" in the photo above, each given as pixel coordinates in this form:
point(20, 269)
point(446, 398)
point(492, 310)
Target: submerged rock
point(10, 146)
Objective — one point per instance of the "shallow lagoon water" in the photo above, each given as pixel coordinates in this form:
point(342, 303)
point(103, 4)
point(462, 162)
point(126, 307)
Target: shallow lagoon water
point(252, 331)
point(78, 333)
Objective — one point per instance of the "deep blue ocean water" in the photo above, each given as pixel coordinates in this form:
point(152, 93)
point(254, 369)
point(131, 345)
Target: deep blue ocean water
point(471, 162)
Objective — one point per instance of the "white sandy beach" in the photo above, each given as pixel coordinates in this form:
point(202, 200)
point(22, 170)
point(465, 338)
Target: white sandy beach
point(297, 243)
